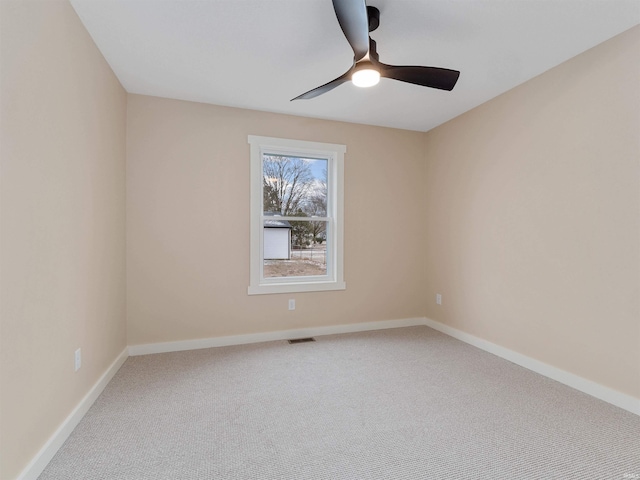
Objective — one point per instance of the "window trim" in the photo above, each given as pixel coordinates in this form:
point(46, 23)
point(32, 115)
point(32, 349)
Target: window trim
point(334, 153)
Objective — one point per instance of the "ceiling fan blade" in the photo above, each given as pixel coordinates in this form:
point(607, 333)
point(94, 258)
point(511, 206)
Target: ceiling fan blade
point(326, 87)
point(354, 21)
point(433, 77)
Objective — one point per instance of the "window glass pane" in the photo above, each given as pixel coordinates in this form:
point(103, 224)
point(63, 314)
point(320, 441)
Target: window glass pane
point(294, 186)
point(294, 248)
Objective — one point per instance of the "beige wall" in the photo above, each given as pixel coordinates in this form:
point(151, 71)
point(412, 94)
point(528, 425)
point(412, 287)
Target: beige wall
point(532, 204)
point(188, 223)
point(62, 222)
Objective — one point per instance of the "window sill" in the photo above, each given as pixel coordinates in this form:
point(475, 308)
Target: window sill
point(296, 287)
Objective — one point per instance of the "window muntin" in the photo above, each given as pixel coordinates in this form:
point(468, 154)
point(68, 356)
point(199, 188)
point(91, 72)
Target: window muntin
point(296, 216)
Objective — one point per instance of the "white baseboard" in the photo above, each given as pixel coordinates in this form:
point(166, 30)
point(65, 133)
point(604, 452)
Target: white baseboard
point(145, 349)
point(619, 399)
point(46, 453)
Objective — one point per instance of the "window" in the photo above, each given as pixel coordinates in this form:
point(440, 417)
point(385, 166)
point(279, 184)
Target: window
point(296, 216)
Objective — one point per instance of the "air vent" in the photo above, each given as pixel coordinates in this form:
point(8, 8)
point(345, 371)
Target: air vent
point(302, 340)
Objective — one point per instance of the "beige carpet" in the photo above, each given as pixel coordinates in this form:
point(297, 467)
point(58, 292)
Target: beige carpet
point(407, 403)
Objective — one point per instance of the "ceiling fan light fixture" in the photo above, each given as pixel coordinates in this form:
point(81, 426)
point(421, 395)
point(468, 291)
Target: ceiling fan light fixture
point(366, 75)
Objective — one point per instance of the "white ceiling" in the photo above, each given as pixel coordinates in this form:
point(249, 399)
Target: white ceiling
point(259, 54)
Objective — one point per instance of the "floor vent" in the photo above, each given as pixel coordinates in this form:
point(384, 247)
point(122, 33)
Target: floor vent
point(302, 340)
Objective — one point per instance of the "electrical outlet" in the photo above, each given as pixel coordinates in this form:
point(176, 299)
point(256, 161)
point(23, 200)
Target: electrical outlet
point(292, 304)
point(438, 299)
point(78, 359)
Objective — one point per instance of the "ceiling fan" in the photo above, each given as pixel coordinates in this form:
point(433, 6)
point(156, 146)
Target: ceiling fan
point(356, 20)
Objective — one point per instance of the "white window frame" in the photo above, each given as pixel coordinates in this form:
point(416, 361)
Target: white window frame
point(334, 154)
